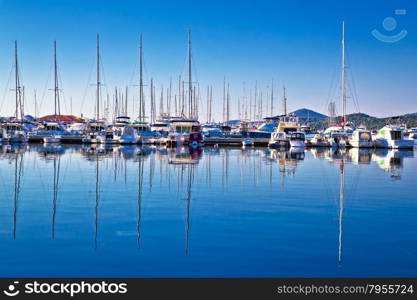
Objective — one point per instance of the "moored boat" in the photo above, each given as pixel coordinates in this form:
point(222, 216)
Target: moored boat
point(297, 139)
point(361, 138)
point(392, 137)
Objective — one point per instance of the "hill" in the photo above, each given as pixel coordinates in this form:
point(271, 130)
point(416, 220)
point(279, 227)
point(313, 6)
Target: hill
point(308, 114)
point(368, 121)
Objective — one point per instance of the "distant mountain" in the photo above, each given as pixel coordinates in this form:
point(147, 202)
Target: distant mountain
point(370, 122)
point(308, 114)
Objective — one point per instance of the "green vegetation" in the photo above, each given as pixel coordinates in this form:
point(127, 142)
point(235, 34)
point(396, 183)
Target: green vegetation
point(369, 122)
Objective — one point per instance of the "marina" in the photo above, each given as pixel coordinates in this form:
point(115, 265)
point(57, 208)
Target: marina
point(181, 126)
point(270, 141)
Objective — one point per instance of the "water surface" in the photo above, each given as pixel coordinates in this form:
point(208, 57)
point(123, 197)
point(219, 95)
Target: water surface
point(229, 212)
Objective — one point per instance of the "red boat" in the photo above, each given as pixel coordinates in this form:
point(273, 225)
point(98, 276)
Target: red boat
point(196, 139)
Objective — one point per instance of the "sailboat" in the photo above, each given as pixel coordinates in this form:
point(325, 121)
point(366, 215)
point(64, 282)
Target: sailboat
point(288, 131)
point(338, 134)
point(54, 127)
point(182, 127)
point(14, 130)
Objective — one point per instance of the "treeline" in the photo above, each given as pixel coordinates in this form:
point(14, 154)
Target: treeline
point(369, 122)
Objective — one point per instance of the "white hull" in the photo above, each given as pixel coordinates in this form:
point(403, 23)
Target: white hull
point(109, 142)
point(394, 144)
point(278, 143)
point(128, 141)
point(247, 143)
point(52, 140)
point(89, 141)
point(361, 144)
point(297, 144)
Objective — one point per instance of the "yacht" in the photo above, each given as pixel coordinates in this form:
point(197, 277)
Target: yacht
point(278, 140)
point(287, 125)
point(392, 137)
point(14, 133)
point(361, 138)
point(337, 136)
point(129, 136)
point(412, 134)
point(196, 139)
point(94, 130)
point(297, 139)
point(180, 129)
point(52, 132)
point(319, 140)
point(109, 137)
point(161, 127)
point(54, 139)
point(144, 133)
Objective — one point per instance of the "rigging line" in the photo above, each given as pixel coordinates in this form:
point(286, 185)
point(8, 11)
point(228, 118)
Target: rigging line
point(331, 88)
point(353, 83)
point(103, 74)
point(46, 87)
point(7, 88)
point(86, 88)
point(135, 72)
point(61, 89)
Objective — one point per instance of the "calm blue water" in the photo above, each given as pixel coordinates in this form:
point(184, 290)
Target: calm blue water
point(152, 212)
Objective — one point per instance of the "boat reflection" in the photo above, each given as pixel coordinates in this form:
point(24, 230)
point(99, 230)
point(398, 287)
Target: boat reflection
point(185, 155)
point(360, 156)
point(287, 160)
point(392, 161)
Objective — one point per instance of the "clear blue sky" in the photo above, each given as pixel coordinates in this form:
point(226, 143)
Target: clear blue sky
point(292, 42)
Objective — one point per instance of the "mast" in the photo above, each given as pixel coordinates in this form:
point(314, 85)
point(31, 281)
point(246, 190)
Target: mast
point(126, 101)
point(141, 102)
point(284, 100)
point(36, 104)
point(169, 96)
point(56, 90)
point(190, 84)
point(227, 106)
point(17, 84)
point(343, 77)
point(272, 98)
point(224, 99)
point(98, 79)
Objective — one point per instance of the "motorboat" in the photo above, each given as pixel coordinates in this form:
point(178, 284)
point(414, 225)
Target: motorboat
point(109, 137)
point(247, 143)
point(392, 137)
point(319, 140)
point(129, 136)
point(14, 133)
point(180, 130)
point(196, 139)
point(53, 139)
point(278, 140)
point(93, 131)
point(297, 139)
point(361, 138)
point(412, 134)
